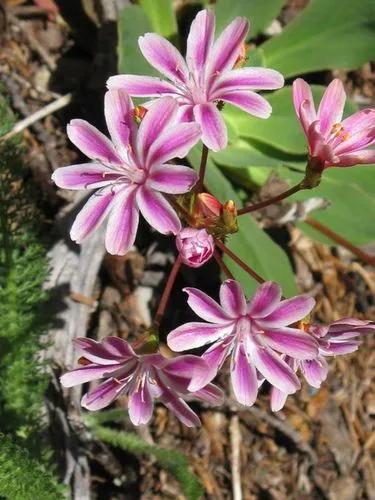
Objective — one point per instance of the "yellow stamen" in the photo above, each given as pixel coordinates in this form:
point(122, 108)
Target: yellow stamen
point(338, 131)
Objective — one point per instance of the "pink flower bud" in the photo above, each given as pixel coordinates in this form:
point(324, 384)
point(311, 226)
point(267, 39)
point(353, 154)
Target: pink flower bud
point(196, 246)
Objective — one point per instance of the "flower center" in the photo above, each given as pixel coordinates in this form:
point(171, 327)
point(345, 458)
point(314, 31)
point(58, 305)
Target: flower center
point(339, 132)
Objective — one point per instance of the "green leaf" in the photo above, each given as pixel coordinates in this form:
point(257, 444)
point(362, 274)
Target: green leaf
point(133, 22)
point(259, 12)
point(172, 460)
point(282, 130)
point(243, 155)
point(161, 16)
point(251, 243)
point(325, 35)
point(351, 194)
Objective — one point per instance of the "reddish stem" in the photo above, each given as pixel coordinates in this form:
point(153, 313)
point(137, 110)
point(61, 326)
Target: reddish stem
point(238, 261)
point(167, 291)
point(265, 203)
point(222, 265)
point(202, 169)
point(369, 259)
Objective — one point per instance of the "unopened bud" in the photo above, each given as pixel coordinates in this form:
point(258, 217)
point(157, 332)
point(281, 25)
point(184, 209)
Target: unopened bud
point(229, 216)
point(207, 206)
point(196, 246)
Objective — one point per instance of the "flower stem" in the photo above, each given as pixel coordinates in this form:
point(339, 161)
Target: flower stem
point(369, 259)
point(265, 203)
point(222, 265)
point(238, 261)
point(167, 291)
point(202, 169)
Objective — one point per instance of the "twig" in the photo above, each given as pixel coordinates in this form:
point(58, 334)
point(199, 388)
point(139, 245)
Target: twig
point(238, 261)
point(369, 259)
point(235, 440)
point(271, 201)
point(202, 168)
point(167, 291)
point(59, 103)
point(222, 265)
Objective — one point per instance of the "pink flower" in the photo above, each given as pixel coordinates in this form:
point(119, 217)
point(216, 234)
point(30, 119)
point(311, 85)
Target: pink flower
point(340, 337)
point(131, 172)
point(251, 332)
point(333, 143)
point(142, 378)
point(206, 77)
point(196, 246)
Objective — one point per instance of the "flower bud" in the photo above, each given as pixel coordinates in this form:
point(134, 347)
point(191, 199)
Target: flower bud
point(196, 246)
point(207, 205)
point(229, 216)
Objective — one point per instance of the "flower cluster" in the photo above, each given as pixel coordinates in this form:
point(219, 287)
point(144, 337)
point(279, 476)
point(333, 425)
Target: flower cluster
point(267, 338)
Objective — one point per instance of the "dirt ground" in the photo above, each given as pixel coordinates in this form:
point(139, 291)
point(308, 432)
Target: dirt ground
point(320, 444)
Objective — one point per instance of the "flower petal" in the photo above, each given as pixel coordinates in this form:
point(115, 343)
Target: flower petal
point(265, 300)
point(227, 47)
point(363, 157)
point(278, 399)
point(206, 307)
point(177, 406)
point(192, 368)
point(102, 396)
point(164, 56)
point(142, 86)
point(92, 214)
point(317, 146)
point(244, 378)
point(118, 347)
point(232, 299)
point(117, 110)
point(200, 40)
point(91, 142)
point(102, 352)
point(214, 130)
point(361, 120)
point(158, 118)
point(185, 113)
point(331, 106)
point(306, 117)
point(217, 354)
point(84, 176)
point(141, 405)
point(157, 211)
point(87, 374)
point(302, 94)
point(211, 393)
point(291, 341)
point(122, 223)
point(361, 140)
point(288, 311)
point(246, 79)
point(195, 334)
point(174, 143)
point(275, 370)
point(315, 371)
point(173, 179)
point(249, 101)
